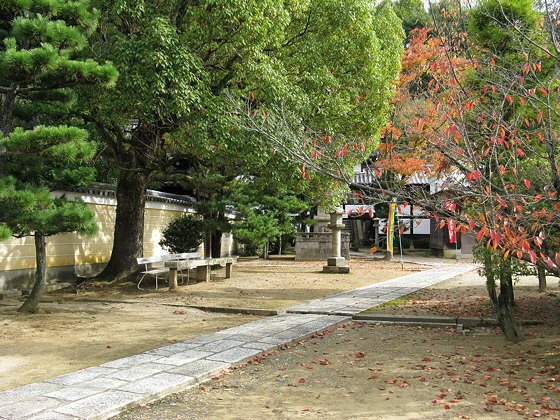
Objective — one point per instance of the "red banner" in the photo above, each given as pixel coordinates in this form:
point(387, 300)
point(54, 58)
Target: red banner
point(451, 231)
point(450, 205)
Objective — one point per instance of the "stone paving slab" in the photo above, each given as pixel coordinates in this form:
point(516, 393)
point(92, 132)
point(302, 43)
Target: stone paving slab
point(52, 416)
point(27, 391)
point(275, 341)
point(220, 345)
point(102, 391)
point(184, 357)
point(244, 337)
point(263, 347)
point(235, 355)
point(28, 407)
point(172, 349)
point(73, 393)
point(139, 372)
point(157, 384)
point(101, 405)
point(81, 375)
point(131, 361)
point(104, 383)
point(200, 368)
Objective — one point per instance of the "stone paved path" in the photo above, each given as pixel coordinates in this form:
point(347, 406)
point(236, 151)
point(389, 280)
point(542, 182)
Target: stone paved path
point(102, 391)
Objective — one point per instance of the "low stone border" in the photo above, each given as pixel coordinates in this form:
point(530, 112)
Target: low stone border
point(465, 322)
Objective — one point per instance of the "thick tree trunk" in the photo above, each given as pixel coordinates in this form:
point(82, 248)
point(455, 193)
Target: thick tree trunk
point(506, 320)
point(32, 303)
point(265, 250)
point(129, 226)
point(502, 305)
point(213, 241)
point(506, 284)
point(216, 244)
point(542, 279)
point(503, 312)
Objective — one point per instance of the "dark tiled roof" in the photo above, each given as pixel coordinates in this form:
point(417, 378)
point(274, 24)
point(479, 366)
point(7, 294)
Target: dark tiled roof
point(109, 190)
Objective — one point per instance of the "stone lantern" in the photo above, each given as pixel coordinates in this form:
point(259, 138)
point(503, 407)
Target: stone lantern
point(336, 263)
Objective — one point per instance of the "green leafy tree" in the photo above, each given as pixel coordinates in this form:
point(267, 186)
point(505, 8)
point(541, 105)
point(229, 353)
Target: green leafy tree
point(268, 219)
point(327, 61)
point(340, 103)
point(157, 88)
point(264, 209)
point(175, 58)
point(413, 15)
point(489, 25)
point(38, 64)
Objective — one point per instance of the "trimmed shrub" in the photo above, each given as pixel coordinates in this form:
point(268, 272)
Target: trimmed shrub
point(184, 234)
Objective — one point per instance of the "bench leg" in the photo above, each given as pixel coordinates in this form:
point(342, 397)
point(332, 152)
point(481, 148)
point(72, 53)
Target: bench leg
point(172, 278)
point(203, 273)
point(229, 267)
point(139, 288)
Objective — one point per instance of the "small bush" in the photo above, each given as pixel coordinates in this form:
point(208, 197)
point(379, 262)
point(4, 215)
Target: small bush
point(183, 234)
point(406, 242)
point(251, 249)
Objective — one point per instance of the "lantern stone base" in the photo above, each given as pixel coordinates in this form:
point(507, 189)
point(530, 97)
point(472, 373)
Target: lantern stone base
point(311, 246)
point(336, 265)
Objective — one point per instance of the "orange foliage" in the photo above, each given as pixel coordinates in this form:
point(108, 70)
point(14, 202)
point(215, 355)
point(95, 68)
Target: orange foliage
point(404, 148)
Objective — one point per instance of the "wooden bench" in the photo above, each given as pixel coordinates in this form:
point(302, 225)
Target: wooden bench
point(161, 259)
point(202, 266)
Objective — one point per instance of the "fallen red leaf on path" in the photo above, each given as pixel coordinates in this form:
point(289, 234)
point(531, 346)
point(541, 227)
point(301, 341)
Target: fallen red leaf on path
point(492, 398)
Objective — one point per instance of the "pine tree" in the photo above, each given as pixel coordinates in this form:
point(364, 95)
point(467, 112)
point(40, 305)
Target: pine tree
point(39, 64)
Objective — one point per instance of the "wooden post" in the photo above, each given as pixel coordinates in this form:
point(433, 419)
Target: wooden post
point(229, 266)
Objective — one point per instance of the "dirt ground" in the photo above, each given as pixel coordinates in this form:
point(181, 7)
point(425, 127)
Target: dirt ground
point(360, 370)
point(356, 370)
point(83, 328)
